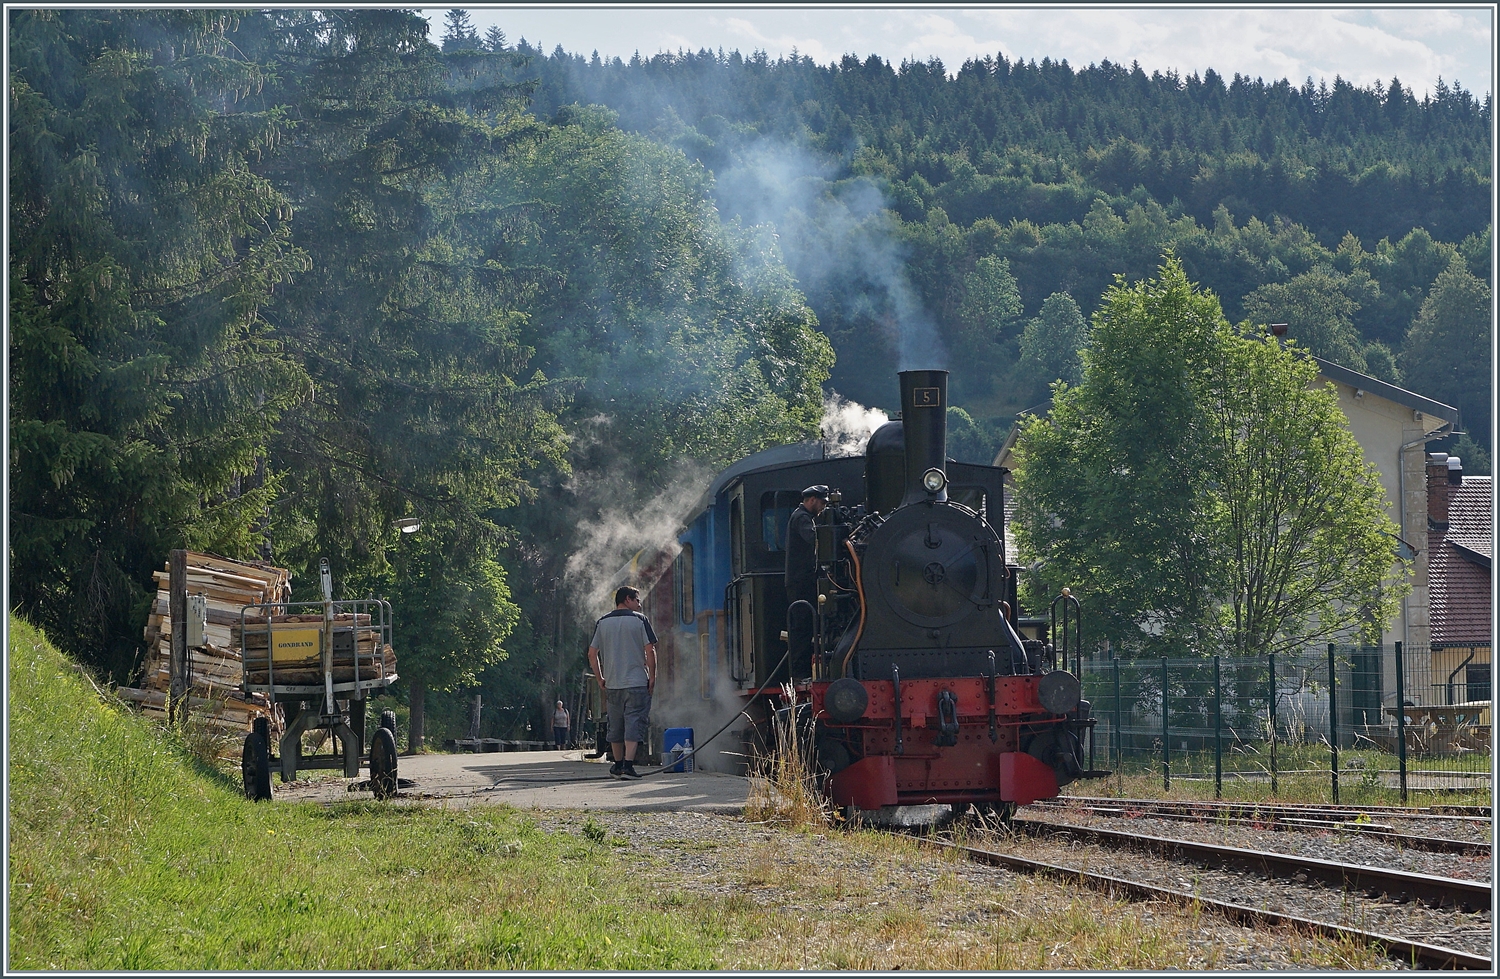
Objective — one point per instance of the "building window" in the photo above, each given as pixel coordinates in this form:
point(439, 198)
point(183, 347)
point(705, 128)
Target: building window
point(1478, 677)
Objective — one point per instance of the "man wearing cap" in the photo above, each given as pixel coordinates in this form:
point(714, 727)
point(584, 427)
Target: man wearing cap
point(802, 576)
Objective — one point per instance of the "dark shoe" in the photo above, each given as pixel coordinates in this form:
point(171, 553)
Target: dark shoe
point(616, 770)
point(629, 770)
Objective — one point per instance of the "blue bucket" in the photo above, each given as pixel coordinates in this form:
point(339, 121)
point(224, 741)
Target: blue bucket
point(676, 742)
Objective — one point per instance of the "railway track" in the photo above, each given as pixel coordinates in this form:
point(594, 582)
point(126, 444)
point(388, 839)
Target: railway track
point(1292, 809)
point(1261, 819)
point(1398, 885)
point(1402, 949)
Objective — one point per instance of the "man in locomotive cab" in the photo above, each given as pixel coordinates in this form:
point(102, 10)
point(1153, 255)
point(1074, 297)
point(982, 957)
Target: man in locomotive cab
point(802, 577)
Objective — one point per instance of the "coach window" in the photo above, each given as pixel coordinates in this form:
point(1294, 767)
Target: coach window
point(775, 512)
point(683, 576)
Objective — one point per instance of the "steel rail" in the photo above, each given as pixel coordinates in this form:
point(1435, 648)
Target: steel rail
point(1397, 884)
point(1402, 812)
point(1283, 824)
point(1401, 949)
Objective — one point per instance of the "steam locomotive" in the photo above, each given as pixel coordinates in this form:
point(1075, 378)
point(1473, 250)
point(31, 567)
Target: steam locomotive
point(922, 690)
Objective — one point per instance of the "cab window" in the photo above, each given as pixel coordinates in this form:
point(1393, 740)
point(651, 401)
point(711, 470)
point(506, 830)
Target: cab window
point(776, 508)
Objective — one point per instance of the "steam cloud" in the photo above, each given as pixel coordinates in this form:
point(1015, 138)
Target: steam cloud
point(606, 543)
point(838, 238)
point(847, 426)
point(601, 563)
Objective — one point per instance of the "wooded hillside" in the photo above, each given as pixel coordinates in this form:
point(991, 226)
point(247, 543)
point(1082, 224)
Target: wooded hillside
point(1332, 207)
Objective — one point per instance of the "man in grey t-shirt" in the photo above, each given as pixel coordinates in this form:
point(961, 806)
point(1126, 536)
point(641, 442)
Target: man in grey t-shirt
point(625, 642)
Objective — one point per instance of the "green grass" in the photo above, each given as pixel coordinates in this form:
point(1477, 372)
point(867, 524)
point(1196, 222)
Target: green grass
point(127, 853)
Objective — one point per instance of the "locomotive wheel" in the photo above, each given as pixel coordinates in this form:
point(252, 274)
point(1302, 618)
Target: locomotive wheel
point(255, 766)
point(383, 764)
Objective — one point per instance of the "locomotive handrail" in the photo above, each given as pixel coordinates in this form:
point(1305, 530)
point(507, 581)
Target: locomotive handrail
point(1072, 638)
point(859, 585)
point(732, 627)
point(816, 626)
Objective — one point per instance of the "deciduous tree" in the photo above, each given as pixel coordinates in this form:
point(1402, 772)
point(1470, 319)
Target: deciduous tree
point(1446, 355)
point(1051, 342)
point(1198, 490)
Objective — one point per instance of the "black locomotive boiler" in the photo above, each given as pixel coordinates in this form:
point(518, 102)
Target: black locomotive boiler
point(922, 690)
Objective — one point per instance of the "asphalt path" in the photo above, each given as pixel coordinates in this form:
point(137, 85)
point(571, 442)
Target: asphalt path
point(530, 779)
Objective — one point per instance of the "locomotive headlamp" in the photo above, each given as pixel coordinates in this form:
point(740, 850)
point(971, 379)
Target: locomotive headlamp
point(933, 480)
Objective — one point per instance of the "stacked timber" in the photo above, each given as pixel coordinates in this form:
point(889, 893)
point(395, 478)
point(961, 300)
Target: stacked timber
point(214, 695)
point(366, 653)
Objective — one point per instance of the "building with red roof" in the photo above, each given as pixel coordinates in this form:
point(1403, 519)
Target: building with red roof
point(1459, 543)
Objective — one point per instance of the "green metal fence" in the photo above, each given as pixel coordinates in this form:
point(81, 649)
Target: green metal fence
point(1314, 725)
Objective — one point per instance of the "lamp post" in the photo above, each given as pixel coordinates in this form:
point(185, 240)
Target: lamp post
point(417, 720)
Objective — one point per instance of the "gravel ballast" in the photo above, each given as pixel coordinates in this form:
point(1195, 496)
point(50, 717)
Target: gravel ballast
point(831, 899)
point(1446, 927)
point(1344, 847)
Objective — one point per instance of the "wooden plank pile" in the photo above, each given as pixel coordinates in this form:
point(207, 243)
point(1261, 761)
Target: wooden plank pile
point(375, 659)
point(214, 697)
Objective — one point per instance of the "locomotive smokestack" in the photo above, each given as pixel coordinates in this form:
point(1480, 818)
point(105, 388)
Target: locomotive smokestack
point(924, 416)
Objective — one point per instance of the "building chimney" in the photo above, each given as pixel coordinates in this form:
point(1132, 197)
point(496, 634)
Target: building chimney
point(1437, 492)
point(1455, 471)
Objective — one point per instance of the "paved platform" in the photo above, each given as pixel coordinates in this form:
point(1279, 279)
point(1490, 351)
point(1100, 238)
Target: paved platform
point(532, 779)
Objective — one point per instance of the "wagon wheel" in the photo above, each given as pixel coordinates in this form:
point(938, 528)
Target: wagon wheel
point(388, 721)
point(383, 764)
point(255, 765)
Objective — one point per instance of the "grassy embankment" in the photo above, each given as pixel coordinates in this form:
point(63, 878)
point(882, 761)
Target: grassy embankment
point(127, 854)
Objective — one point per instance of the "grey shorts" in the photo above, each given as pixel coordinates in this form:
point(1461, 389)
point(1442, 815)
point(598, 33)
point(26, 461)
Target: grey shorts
point(629, 713)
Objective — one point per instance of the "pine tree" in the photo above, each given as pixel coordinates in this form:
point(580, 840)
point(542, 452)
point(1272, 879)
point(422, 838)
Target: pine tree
point(145, 382)
point(460, 33)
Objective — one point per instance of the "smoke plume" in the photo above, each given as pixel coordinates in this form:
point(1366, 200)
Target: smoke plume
point(838, 237)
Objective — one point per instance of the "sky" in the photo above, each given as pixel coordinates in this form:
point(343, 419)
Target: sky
point(1361, 44)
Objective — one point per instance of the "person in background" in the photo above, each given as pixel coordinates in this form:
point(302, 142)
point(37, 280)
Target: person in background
point(626, 644)
point(561, 724)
